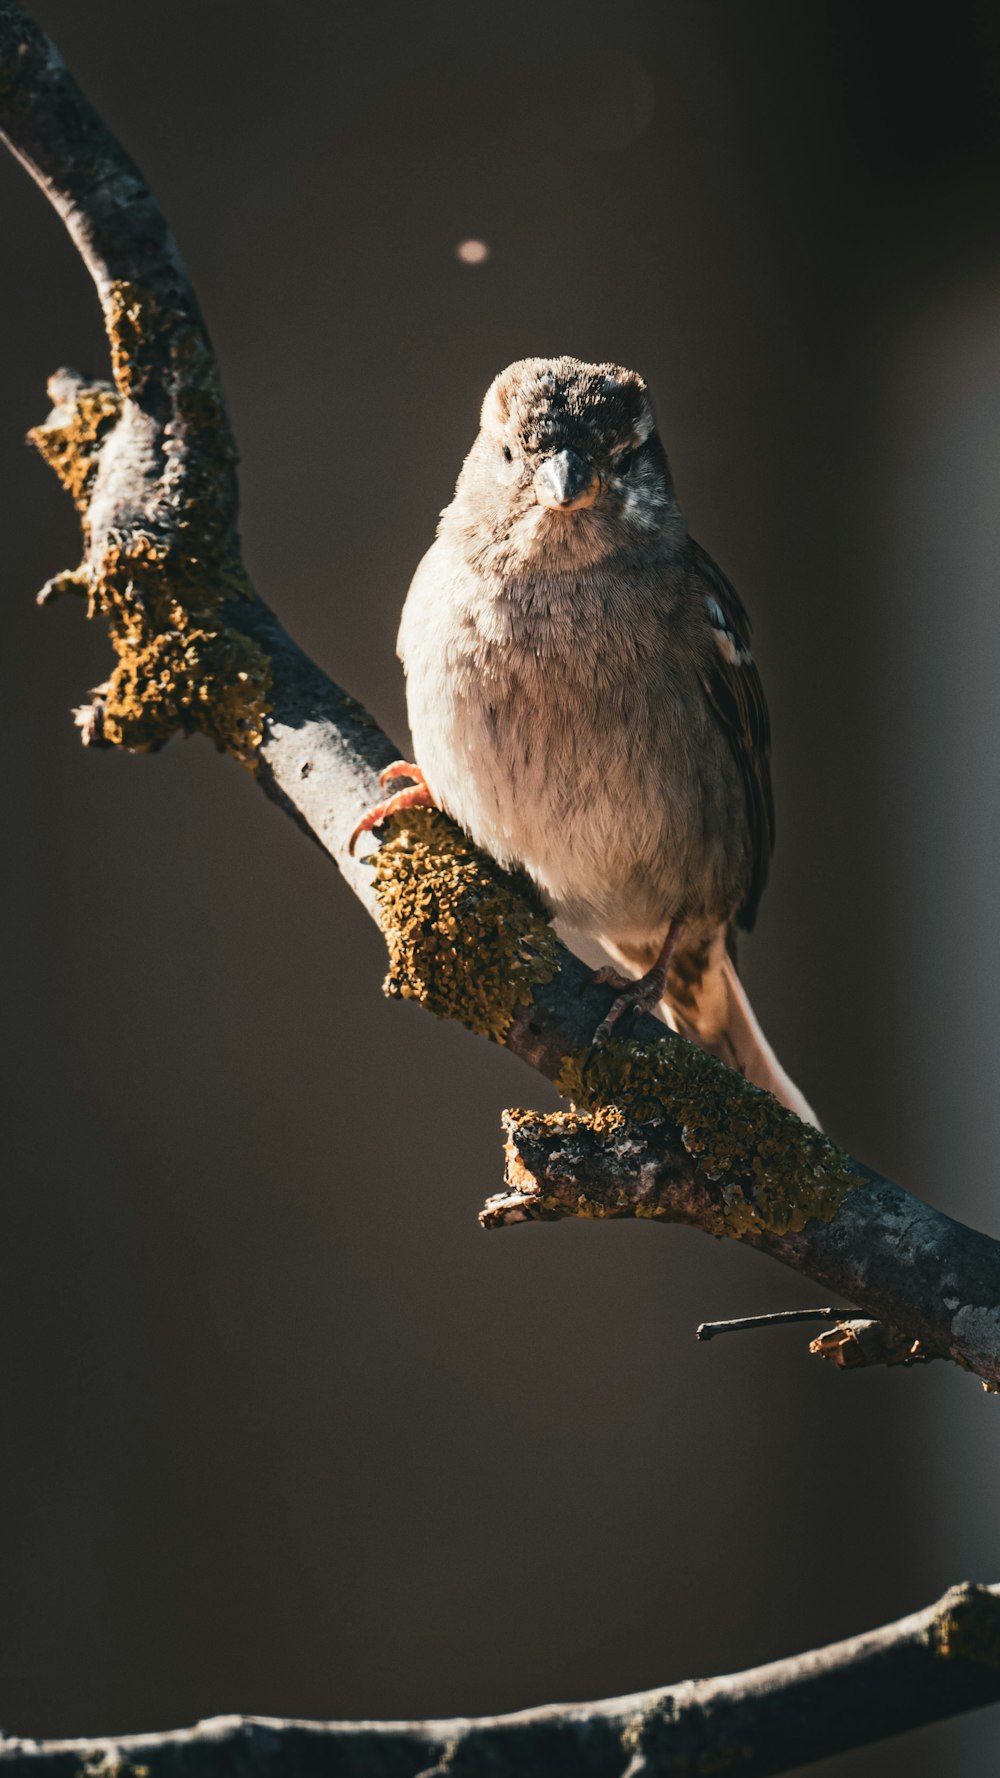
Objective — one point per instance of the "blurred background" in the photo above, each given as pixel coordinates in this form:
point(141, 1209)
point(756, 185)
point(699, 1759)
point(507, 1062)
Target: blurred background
point(284, 1432)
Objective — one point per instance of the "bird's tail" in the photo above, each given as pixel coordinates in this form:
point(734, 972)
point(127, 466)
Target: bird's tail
point(706, 1001)
point(712, 1006)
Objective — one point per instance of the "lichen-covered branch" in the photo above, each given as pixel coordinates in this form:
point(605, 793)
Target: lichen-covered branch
point(660, 1129)
point(934, 1664)
point(148, 459)
point(870, 1241)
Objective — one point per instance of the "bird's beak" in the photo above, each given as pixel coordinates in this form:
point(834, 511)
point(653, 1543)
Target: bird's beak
point(566, 482)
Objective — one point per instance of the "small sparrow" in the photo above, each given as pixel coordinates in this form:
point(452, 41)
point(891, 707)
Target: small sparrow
point(584, 702)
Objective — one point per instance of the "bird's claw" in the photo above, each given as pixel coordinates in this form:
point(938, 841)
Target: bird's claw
point(636, 994)
point(400, 768)
point(418, 796)
point(636, 997)
point(628, 1001)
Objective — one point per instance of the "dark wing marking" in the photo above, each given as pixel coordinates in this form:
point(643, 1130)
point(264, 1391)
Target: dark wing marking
point(732, 685)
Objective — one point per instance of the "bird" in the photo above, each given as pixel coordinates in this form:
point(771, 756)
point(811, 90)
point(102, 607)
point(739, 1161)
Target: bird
point(584, 702)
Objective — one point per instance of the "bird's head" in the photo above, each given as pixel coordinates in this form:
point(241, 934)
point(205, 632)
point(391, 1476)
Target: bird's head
point(567, 468)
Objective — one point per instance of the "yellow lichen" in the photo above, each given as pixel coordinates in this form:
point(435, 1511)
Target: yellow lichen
point(179, 665)
point(131, 310)
point(558, 1131)
point(72, 449)
point(463, 941)
point(164, 589)
point(773, 1173)
point(470, 943)
point(111, 1763)
point(966, 1626)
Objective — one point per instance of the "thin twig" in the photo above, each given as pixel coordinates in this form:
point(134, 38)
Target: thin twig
point(707, 1330)
point(855, 1342)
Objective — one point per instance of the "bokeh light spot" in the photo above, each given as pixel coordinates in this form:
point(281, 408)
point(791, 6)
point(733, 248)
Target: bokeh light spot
point(472, 252)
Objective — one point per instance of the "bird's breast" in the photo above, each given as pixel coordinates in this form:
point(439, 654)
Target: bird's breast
point(569, 739)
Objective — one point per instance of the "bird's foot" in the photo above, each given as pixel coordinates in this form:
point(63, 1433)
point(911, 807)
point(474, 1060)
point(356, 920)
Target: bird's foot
point(401, 768)
point(635, 994)
point(418, 796)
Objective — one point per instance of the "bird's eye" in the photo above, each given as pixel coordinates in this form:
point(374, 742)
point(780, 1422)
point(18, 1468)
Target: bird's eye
point(508, 455)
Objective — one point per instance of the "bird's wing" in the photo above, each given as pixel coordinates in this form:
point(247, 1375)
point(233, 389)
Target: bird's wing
point(732, 685)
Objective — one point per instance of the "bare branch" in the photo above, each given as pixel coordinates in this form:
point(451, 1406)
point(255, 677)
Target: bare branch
point(934, 1664)
point(663, 1130)
point(851, 1344)
point(710, 1330)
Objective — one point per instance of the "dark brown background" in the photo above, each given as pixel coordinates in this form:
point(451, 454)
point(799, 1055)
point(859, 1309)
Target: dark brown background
point(282, 1430)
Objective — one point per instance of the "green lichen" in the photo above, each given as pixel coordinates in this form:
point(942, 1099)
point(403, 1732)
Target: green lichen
point(164, 586)
point(463, 940)
point(966, 1626)
point(773, 1173)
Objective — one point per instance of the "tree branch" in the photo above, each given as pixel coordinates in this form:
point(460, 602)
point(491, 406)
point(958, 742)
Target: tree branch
point(908, 1264)
point(710, 1330)
point(661, 1129)
point(922, 1669)
point(849, 1344)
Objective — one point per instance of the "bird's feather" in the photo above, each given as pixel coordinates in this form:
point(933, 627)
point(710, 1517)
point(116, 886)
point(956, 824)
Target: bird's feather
point(734, 690)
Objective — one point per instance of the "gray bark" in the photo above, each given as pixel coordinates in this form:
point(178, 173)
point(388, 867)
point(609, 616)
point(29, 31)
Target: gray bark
point(771, 1719)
